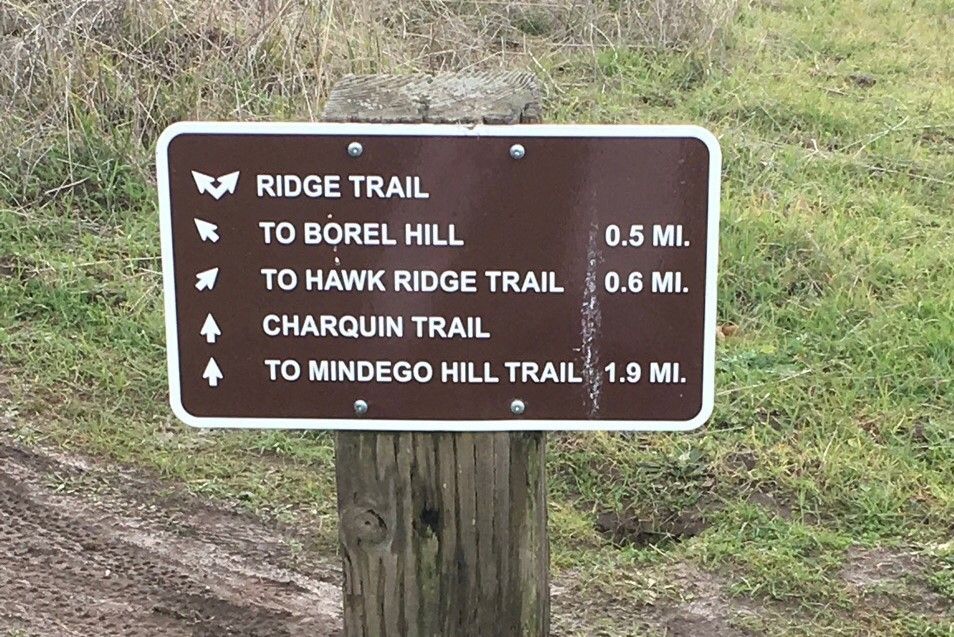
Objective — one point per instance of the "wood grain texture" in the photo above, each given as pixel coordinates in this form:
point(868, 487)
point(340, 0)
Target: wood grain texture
point(442, 534)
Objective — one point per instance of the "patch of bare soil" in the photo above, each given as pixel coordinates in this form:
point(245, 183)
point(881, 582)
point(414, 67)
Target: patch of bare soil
point(89, 551)
point(703, 608)
point(893, 580)
point(632, 526)
point(706, 608)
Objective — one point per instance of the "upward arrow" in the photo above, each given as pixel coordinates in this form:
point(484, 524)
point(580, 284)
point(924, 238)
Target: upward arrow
point(207, 231)
point(212, 373)
point(210, 329)
point(206, 280)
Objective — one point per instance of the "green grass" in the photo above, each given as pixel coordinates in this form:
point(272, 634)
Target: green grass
point(837, 265)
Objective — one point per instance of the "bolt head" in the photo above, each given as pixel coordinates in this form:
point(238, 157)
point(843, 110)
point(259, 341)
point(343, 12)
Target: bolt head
point(355, 149)
point(517, 407)
point(360, 407)
point(517, 151)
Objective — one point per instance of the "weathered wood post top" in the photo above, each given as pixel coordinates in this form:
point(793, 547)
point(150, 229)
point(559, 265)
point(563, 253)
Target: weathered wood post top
point(478, 98)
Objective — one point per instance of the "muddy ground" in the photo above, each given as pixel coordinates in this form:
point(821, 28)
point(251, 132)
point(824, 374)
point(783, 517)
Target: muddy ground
point(88, 548)
point(92, 549)
point(88, 551)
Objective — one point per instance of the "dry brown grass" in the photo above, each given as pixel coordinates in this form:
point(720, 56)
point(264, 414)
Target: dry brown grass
point(126, 68)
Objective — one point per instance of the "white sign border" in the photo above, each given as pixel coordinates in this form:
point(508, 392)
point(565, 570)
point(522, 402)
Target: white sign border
point(439, 130)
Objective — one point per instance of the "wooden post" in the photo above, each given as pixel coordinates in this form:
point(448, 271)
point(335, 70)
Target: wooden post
point(442, 534)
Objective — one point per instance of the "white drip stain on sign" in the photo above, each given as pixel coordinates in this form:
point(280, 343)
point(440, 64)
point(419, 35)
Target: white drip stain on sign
point(591, 322)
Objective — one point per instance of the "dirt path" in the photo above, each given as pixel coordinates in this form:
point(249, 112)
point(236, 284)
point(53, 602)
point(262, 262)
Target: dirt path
point(92, 549)
point(85, 551)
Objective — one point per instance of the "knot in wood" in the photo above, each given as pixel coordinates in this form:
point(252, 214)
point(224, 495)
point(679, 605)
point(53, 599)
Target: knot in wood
point(366, 525)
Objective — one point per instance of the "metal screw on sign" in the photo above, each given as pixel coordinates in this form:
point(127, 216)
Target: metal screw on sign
point(355, 149)
point(517, 407)
point(517, 151)
point(360, 407)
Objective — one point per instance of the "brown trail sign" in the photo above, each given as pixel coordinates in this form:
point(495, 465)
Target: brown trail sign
point(411, 277)
point(424, 277)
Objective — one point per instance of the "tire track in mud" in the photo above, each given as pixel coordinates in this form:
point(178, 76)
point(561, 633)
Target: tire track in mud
point(123, 556)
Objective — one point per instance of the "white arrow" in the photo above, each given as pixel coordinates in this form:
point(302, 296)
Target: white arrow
point(212, 373)
point(206, 280)
point(207, 183)
point(207, 231)
point(210, 329)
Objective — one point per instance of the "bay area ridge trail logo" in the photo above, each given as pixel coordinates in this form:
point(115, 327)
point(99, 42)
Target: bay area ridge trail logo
point(217, 187)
